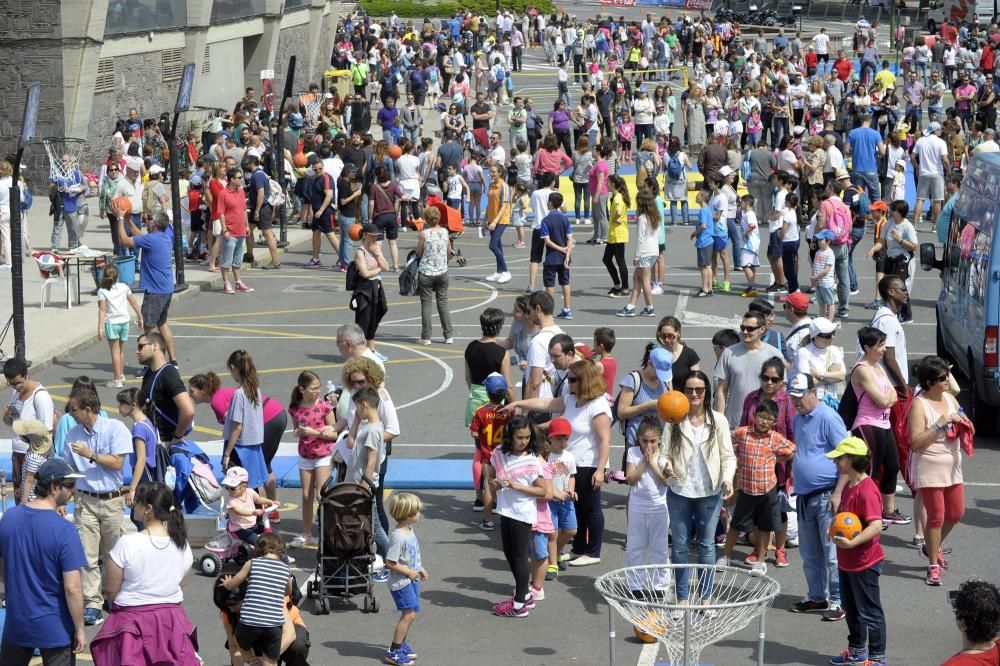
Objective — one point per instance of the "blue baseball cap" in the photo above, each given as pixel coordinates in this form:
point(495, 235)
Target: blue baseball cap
point(824, 233)
point(663, 362)
point(495, 383)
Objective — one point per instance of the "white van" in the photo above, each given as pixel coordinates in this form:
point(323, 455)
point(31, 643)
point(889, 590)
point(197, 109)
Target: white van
point(978, 11)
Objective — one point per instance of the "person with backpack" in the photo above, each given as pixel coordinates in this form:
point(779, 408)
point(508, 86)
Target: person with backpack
point(676, 188)
point(857, 200)
point(836, 216)
point(359, 77)
point(145, 459)
point(433, 253)
point(639, 391)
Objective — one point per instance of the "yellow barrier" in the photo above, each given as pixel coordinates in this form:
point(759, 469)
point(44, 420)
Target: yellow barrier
point(629, 74)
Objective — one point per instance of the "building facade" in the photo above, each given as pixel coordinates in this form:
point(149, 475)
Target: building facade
point(96, 59)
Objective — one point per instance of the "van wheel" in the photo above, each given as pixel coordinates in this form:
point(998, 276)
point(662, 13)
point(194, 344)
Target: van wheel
point(983, 415)
point(942, 351)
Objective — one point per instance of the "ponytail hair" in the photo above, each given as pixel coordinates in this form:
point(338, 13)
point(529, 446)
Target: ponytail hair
point(241, 361)
point(306, 377)
point(207, 382)
point(110, 276)
point(161, 498)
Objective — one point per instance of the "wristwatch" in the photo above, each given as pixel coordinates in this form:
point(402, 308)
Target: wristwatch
point(93, 457)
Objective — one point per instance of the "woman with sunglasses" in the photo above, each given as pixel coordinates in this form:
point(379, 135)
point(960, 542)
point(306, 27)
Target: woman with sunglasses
point(587, 409)
point(668, 335)
point(824, 361)
point(368, 300)
point(703, 461)
point(772, 387)
point(936, 459)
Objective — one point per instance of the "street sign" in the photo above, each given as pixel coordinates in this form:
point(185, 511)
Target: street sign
point(266, 74)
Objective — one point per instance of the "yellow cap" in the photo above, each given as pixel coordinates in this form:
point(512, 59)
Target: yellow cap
point(854, 446)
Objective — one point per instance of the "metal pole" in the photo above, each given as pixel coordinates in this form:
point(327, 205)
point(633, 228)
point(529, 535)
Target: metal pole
point(175, 201)
point(760, 638)
point(279, 157)
point(687, 636)
point(611, 634)
point(17, 262)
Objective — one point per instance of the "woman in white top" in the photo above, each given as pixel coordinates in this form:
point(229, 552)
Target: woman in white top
point(647, 250)
point(143, 575)
point(433, 252)
point(702, 462)
point(822, 359)
point(586, 407)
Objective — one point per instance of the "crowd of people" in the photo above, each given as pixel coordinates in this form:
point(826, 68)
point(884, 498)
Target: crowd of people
point(782, 430)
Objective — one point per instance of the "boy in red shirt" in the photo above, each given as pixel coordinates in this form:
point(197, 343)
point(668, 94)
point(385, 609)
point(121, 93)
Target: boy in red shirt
point(487, 433)
point(860, 559)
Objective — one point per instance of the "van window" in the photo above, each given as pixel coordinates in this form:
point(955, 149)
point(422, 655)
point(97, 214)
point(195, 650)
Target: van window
point(969, 243)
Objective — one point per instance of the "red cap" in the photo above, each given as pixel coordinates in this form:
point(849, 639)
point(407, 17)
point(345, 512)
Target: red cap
point(583, 351)
point(797, 300)
point(559, 426)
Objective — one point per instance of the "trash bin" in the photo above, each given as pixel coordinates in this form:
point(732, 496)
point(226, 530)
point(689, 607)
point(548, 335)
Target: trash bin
point(339, 79)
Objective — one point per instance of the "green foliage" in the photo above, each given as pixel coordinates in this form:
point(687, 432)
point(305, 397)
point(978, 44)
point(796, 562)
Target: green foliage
point(446, 8)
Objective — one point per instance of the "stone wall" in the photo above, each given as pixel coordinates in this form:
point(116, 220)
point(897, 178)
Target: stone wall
point(292, 41)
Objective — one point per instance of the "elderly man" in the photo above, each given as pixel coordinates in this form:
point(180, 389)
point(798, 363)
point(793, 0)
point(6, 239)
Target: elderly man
point(97, 450)
point(818, 430)
point(42, 556)
point(351, 343)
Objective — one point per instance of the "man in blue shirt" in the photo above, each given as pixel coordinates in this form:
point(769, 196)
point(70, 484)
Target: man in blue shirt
point(865, 146)
point(74, 205)
point(261, 214)
point(157, 277)
point(557, 234)
point(818, 430)
point(42, 557)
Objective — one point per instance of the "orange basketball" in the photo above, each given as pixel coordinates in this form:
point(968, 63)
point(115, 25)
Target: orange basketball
point(647, 627)
point(395, 152)
point(354, 232)
point(673, 406)
point(121, 206)
point(643, 636)
point(300, 160)
point(845, 524)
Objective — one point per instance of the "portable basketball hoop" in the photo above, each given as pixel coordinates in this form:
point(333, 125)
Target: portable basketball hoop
point(645, 598)
point(64, 155)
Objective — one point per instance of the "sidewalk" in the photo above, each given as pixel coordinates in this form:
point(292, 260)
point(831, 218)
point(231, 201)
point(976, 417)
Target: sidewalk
point(56, 332)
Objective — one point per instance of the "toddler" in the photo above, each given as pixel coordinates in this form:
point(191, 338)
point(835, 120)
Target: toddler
point(562, 465)
point(626, 130)
point(244, 505)
point(750, 250)
point(405, 574)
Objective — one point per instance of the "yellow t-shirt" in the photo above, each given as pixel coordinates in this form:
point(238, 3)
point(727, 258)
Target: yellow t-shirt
point(498, 201)
point(618, 220)
point(886, 79)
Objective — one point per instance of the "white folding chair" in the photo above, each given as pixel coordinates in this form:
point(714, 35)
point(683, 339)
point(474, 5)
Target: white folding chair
point(55, 273)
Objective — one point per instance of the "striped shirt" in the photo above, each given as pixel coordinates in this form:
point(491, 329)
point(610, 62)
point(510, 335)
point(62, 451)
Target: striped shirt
point(523, 469)
point(265, 598)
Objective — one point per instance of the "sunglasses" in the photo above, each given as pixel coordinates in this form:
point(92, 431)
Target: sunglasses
point(668, 336)
point(358, 382)
point(572, 380)
point(694, 390)
point(825, 336)
point(749, 329)
point(938, 380)
point(770, 379)
point(140, 345)
point(68, 485)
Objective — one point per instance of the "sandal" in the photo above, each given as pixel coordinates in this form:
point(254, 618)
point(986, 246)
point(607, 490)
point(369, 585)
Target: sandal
point(703, 294)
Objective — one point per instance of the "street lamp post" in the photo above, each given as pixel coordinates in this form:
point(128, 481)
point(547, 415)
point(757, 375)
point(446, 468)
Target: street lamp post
point(183, 104)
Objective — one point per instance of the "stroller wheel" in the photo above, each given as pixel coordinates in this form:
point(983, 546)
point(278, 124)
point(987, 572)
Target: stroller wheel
point(311, 589)
point(322, 607)
point(210, 564)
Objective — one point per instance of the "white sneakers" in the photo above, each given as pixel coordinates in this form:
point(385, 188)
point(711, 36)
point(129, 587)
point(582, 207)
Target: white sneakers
point(493, 278)
point(499, 277)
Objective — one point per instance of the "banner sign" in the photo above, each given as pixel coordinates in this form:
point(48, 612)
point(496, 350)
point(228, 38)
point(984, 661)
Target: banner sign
point(695, 5)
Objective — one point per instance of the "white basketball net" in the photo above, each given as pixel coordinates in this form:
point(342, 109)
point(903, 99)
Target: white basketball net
point(64, 156)
point(646, 598)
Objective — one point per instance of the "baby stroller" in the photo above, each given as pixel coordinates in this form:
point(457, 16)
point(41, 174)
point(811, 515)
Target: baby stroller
point(346, 553)
point(451, 219)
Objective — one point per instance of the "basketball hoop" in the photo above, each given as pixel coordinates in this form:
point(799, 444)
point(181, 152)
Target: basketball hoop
point(641, 596)
point(64, 155)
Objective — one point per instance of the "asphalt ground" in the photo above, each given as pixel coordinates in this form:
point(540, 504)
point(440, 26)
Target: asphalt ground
point(289, 324)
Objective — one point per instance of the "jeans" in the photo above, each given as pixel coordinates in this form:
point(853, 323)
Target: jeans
point(790, 263)
point(842, 267)
point(345, 254)
point(381, 538)
point(870, 180)
point(589, 514)
point(819, 555)
point(496, 247)
point(734, 239)
point(702, 514)
point(16, 655)
point(581, 194)
point(433, 287)
point(856, 236)
point(863, 611)
point(673, 212)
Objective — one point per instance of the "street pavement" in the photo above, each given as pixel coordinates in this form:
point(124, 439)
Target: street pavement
point(289, 324)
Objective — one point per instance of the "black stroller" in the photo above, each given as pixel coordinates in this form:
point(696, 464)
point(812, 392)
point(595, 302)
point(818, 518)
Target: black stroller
point(346, 546)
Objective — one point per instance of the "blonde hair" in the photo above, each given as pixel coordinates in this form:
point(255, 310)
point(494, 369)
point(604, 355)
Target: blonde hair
point(404, 506)
point(365, 366)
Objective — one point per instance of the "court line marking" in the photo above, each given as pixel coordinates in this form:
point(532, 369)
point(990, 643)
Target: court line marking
point(648, 655)
point(492, 297)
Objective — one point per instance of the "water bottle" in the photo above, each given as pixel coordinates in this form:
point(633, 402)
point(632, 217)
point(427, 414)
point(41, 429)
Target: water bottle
point(331, 388)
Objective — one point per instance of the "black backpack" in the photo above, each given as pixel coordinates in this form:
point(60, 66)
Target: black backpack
point(848, 408)
point(164, 471)
point(623, 425)
point(408, 276)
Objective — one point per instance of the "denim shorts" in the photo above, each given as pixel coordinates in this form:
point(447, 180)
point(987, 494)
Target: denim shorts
point(232, 252)
point(407, 598)
point(720, 243)
point(646, 262)
point(540, 545)
point(824, 295)
point(563, 514)
point(116, 331)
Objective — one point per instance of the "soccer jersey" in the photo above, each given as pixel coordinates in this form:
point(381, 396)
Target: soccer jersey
point(487, 427)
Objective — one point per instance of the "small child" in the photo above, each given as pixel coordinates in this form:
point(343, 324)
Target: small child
point(244, 505)
point(114, 298)
point(899, 181)
point(523, 164)
point(405, 574)
point(703, 243)
point(758, 449)
point(457, 188)
point(822, 273)
point(557, 234)
point(626, 131)
point(515, 475)
point(859, 560)
point(518, 215)
point(562, 465)
point(720, 231)
point(755, 127)
point(367, 452)
point(604, 343)
point(648, 522)
point(543, 531)
point(262, 616)
point(145, 439)
point(750, 250)
point(487, 433)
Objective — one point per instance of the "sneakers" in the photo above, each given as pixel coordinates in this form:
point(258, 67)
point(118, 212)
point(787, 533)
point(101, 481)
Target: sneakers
point(896, 518)
point(300, 541)
point(749, 292)
point(774, 288)
point(834, 614)
point(565, 313)
point(563, 565)
point(850, 657)
point(933, 576)
point(874, 305)
point(615, 292)
point(780, 559)
point(721, 562)
point(584, 561)
point(503, 277)
point(449, 341)
point(751, 560)
point(486, 525)
point(116, 383)
point(657, 289)
point(519, 245)
point(381, 576)
point(242, 288)
point(648, 311)
point(477, 505)
point(537, 593)
point(725, 287)
point(93, 617)
point(808, 606)
point(492, 278)
point(405, 647)
point(552, 572)
point(427, 343)
point(627, 311)
point(506, 609)
point(313, 263)
point(397, 657)
point(227, 288)
point(943, 563)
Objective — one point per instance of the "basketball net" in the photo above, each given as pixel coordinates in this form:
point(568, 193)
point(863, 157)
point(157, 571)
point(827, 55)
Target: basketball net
point(64, 156)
